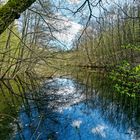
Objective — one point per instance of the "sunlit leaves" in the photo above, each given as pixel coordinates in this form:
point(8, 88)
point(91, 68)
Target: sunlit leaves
point(126, 79)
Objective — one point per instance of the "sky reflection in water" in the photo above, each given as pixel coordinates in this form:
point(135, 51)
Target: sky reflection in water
point(71, 117)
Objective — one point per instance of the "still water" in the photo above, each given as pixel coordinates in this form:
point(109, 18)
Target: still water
point(68, 109)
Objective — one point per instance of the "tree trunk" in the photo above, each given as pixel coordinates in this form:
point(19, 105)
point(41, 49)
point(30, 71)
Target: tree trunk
point(11, 11)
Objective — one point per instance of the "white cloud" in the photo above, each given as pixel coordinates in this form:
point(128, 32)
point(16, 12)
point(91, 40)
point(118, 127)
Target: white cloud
point(73, 1)
point(76, 123)
point(67, 29)
point(99, 130)
point(68, 35)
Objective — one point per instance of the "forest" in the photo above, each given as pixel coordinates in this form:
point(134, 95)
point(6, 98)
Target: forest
point(69, 69)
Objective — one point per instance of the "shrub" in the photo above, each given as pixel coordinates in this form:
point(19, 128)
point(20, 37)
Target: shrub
point(126, 79)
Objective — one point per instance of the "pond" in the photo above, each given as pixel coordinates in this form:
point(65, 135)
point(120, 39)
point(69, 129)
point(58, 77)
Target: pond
point(65, 108)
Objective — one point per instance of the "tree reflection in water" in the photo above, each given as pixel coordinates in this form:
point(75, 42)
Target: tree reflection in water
point(64, 109)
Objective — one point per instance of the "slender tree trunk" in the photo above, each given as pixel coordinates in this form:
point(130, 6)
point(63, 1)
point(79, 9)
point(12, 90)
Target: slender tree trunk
point(11, 11)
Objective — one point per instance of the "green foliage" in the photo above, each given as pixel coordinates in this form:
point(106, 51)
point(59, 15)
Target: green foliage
point(9, 49)
point(126, 79)
point(131, 46)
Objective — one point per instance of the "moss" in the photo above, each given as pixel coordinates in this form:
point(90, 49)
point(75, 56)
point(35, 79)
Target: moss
point(11, 11)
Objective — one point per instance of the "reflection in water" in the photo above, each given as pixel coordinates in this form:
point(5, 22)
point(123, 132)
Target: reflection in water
point(63, 109)
point(12, 95)
point(64, 112)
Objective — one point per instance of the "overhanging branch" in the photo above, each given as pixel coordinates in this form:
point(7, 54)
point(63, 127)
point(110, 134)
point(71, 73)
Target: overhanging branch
point(11, 11)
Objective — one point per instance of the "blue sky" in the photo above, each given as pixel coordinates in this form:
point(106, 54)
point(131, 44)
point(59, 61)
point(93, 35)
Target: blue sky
point(77, 23)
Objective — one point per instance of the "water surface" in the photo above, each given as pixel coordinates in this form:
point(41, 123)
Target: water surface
point(63, 109)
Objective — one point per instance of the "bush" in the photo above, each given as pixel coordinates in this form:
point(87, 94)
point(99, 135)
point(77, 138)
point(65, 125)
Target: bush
point(126, 79)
